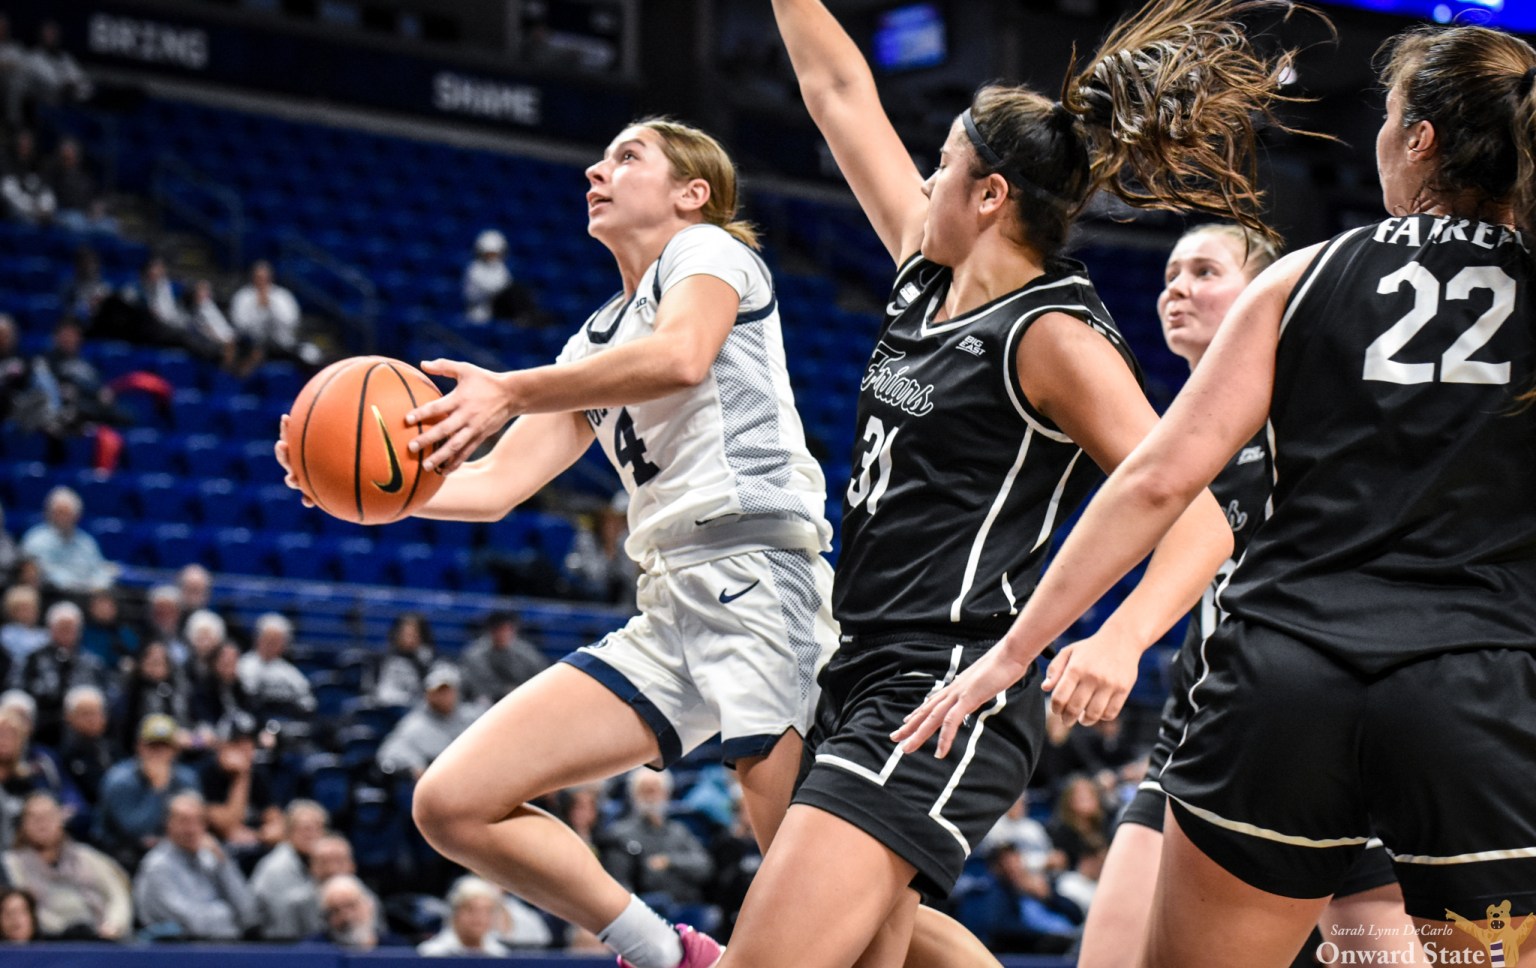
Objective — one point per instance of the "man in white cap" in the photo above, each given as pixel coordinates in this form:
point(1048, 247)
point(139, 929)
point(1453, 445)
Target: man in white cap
point(486, 277)
point(424, 732)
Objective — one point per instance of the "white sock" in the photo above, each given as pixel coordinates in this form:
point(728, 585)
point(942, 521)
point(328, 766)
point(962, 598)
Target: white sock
point(642, 938)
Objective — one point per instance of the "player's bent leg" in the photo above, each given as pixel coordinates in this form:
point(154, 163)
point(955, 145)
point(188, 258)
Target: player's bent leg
point(891, 946)
point(1122, 905)
point(939, 940)
point(767, 783)
point(1205, 917)
point(820, 898)
point(559, 729)
point(1372, 920)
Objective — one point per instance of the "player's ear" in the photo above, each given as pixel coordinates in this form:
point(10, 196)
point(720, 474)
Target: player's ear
point(1423, 141)
point(995, 193)
point(694, 195)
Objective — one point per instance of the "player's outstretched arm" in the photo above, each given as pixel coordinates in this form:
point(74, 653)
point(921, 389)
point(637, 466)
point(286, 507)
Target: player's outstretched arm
point(692, 323)
point(533, 452)
point(1221, 407)
point(839, 91)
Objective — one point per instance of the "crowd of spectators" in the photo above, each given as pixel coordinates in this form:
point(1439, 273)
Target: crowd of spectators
point(138, 797)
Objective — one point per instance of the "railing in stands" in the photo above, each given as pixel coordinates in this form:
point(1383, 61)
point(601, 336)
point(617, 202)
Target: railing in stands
point(200, 201)
point(335, 616)
point(341, 291)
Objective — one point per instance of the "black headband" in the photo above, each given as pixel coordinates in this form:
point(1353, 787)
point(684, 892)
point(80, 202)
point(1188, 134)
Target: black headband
point(1526, 83)
point(994, 161)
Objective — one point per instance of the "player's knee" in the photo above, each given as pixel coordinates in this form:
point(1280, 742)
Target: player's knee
point(442, 813)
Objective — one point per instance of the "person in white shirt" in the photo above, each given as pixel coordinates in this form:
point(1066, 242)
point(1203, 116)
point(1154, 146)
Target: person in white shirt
point(51, 74)
point(275, 685)
point(486, 277)
point(476, 906)
point(266, 316)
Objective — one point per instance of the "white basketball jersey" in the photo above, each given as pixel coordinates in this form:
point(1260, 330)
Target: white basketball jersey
point(723, 464)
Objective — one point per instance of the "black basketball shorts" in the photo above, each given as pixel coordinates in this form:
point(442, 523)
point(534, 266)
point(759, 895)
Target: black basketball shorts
point(1146, 809)
point(930, 812)
point(1292, 761)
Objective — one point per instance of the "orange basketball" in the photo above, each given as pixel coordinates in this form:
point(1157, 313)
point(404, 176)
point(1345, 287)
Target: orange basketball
point(347, 440)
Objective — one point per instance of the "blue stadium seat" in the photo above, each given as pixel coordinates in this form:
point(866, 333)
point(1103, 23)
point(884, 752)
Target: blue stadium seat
point(326, 781)
point(179, 544)
point(101, 495)
point(236, 550)
point(300, 556)
point(280, 509)
point(193, 413)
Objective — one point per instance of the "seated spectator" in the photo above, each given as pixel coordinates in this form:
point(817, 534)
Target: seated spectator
point(70, 559)
point(1022, 834)
point(423, 733)
point(188, 887)
point(81, 893)
point(219, 693)
point(18, 389)
point(486, 278)
point(650, 854)
point(195, 583)
point(77, 393)
point(87, 292)
point(153, 686)
point(163, 622)
point(57, 667)
point(205, 632)
point(25, 770)
point(10, 552)
point(401, 669)
point(13, 58)
point(500, 660)
point(285, 871)
point(80, 207)
point(351, 916)
point(27, 195)
point(241, 809)
point(296, 914)
point(130, 809)
point(88, 750)
point(21, 635)
point(107, 635)
point(476, 911)
point(208, 332)
point(266, 317)
point(1080, 826)
point(18, 916)
point(156, 293)
point(1037, 919)
point(51, 75)
point(275, 686)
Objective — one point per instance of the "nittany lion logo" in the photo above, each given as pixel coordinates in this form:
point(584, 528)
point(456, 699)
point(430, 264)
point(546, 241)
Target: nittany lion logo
point(1501, 937)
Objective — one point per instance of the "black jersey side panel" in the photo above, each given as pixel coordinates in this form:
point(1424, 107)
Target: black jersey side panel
point(1404, 464)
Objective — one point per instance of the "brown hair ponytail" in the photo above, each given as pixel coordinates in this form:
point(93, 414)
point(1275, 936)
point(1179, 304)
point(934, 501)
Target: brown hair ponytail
point(1164, 116)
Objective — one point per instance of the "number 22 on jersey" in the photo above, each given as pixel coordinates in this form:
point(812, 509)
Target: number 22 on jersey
point(1456, 365)
point(874, 474)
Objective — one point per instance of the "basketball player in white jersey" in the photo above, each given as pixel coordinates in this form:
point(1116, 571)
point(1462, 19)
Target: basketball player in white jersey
point(681, 378)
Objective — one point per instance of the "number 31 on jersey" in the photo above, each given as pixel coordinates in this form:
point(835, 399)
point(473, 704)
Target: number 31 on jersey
point(874, 474)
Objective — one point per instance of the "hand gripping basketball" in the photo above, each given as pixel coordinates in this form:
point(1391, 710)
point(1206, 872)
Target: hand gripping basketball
point(453, 426)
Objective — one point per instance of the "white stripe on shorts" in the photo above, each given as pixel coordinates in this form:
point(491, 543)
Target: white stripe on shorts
point(1263, 833)
point(1515, 853)
point(965, 761)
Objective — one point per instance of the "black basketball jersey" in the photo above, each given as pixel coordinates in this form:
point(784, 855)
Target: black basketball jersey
point(1242, 490)
point(957, 481)
point(1405, 466)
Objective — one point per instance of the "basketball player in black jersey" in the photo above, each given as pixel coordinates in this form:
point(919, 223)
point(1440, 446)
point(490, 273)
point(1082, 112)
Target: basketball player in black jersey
point(1207, 270)
point(998, 391)
point(1377, 670)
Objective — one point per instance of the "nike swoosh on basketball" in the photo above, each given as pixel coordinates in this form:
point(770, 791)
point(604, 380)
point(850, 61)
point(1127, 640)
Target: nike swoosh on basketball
point(728, 599)
point(396, 479)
